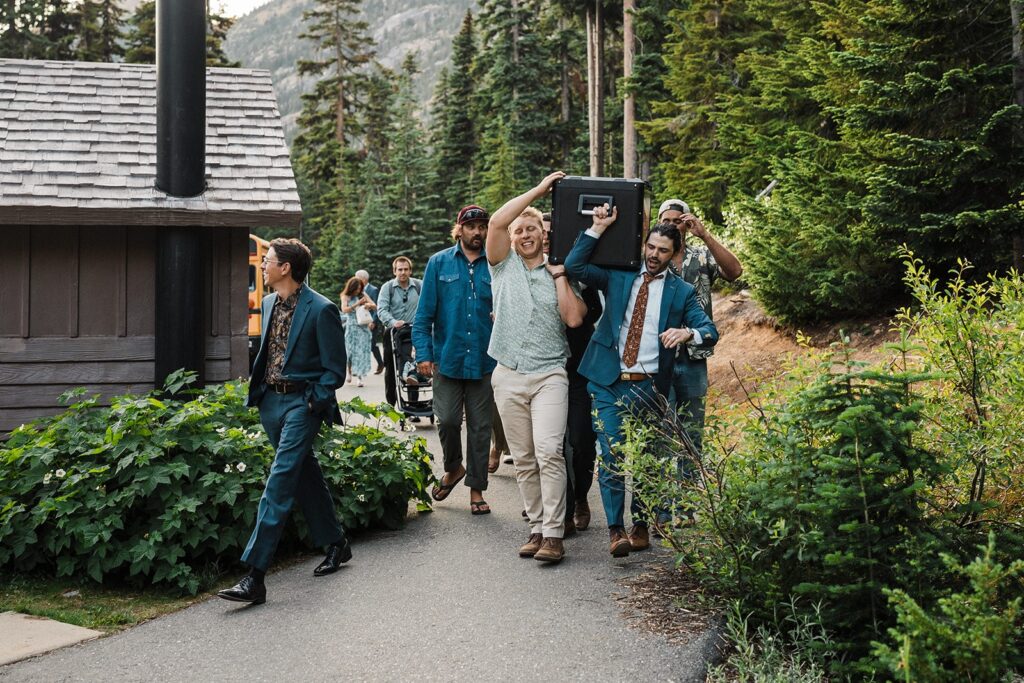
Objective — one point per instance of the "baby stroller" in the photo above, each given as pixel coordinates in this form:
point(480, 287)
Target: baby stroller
point(415, 398)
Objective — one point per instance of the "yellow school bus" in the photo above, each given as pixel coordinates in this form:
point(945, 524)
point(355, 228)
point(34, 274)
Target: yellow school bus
point(257, 290)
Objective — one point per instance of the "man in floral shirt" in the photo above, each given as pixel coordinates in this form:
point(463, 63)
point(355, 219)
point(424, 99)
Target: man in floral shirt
point(699, 265)
point(300, 365)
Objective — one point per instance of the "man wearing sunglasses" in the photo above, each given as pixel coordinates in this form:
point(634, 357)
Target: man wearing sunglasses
point(451, 332)
point(396, 307)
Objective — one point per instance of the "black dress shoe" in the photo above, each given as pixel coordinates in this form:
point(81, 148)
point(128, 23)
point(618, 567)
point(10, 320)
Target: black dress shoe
point(246, 590)
point(337, 555)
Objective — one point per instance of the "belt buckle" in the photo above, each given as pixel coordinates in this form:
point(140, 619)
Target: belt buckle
point(626, 376)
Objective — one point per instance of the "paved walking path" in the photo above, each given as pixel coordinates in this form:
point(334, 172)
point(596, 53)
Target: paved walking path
point(445, 599)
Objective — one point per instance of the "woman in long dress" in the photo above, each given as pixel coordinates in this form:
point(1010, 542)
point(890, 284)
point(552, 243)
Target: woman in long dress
point(358, 338)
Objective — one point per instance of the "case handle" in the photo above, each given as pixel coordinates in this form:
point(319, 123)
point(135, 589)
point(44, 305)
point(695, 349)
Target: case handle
point(589, 202)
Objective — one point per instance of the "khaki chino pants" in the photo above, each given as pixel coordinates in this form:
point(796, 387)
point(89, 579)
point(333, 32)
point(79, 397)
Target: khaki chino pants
point(533, 410)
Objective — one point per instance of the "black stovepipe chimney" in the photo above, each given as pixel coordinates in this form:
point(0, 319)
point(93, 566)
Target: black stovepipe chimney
point(180, 172)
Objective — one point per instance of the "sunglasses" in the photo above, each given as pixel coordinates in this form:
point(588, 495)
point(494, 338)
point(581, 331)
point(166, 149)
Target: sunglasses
point(473, 215)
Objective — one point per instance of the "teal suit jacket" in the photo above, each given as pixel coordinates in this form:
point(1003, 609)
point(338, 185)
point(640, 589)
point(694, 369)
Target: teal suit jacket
point(315, 355)
point(679, 308)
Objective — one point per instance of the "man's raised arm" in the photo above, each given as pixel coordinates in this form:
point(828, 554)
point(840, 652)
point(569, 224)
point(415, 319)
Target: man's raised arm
point(498, 241)
point(577, 263)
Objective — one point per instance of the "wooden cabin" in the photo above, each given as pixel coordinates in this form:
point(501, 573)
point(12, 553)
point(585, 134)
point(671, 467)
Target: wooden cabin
point(80, 218)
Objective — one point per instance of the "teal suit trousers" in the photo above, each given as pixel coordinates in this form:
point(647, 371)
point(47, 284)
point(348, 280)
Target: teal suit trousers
point(294, 475)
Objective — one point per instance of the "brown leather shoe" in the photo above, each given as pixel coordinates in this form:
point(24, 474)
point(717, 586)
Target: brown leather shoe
point(619, 545)
point(581, 515)
point(551, 551)
point(531, 546)
point(639, 538)
point(570, 528)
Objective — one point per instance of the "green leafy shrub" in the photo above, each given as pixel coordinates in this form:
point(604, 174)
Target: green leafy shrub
point(971, 637)
point(790, 651)
point(162, 489)
point(846, 482)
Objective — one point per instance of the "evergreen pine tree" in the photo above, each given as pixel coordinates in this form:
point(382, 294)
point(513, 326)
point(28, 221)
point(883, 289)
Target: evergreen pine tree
point(99, 36)
point(141, 37)
point(809, 255)
point(59, 29)
point(402, 213)
point(519, 94)
point(456, 144)
point(323, 153)
point(500, 182)
point(16, 22)
point(217, 27)
point(140, 41)
point(760, 123)
point(411, 180)
point(707, 38)
point(652, 29)
point(932, 113)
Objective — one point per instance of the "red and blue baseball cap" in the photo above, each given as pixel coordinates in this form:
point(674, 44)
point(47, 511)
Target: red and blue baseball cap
point(472, 213)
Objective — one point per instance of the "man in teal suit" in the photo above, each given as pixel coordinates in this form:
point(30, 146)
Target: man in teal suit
point(648, 315)
point(300, 364)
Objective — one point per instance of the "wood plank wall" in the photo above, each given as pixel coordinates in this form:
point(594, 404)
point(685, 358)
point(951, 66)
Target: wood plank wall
point(77, 309)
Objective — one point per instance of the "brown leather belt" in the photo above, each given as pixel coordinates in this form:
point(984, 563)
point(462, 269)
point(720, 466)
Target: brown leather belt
point(285, 387)
point(635, 376)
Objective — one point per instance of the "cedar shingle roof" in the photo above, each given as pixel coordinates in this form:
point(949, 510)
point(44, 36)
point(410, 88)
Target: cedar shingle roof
point(78, 145)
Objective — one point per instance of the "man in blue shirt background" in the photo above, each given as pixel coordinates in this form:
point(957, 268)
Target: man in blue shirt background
point(451, 332)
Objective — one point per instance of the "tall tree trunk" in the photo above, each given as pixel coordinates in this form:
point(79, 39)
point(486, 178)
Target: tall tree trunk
point(629, 102)
point(599, 88)
point(566, 102)
point(515, 47)
point(591, 84)
point(1016, 16)
point(595, 86)
point(339, 115)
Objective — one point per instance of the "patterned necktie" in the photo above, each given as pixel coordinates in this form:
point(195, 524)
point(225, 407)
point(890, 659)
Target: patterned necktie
point(636, 323)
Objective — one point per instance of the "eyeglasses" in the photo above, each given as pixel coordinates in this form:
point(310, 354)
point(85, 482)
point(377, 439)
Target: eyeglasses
point(266, 261)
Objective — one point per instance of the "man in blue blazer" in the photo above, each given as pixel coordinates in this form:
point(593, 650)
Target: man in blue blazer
point(300, 364)
point(648, 316)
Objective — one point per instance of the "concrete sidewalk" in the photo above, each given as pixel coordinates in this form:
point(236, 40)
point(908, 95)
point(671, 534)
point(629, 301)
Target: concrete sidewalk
point(445, 599)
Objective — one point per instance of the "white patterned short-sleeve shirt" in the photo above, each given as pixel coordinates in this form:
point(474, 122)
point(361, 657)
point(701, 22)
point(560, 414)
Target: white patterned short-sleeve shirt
point(528, 334)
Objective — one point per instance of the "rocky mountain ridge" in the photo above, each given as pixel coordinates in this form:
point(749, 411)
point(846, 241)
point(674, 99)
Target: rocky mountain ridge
point(268, 38)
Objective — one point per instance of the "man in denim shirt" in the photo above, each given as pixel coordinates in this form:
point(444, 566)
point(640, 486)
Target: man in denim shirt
point(451, 332)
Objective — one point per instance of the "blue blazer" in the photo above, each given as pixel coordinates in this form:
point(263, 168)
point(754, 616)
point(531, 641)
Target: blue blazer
point(679, 308)
point(315, 354)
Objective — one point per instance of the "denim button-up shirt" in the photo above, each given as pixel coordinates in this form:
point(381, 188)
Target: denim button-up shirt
point(453, 321)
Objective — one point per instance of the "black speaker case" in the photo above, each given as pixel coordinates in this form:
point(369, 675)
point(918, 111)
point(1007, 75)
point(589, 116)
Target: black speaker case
point(621, 246)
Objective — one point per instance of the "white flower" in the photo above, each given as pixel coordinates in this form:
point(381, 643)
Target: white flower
point(60, 474)
point(361, 498)
point(227, 469)
point(47, 477)
point(240, 467)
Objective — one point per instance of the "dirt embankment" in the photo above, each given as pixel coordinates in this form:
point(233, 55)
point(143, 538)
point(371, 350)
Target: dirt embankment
point(756, 345)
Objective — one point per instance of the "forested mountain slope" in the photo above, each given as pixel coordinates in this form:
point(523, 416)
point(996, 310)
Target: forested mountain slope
point(268, 38)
